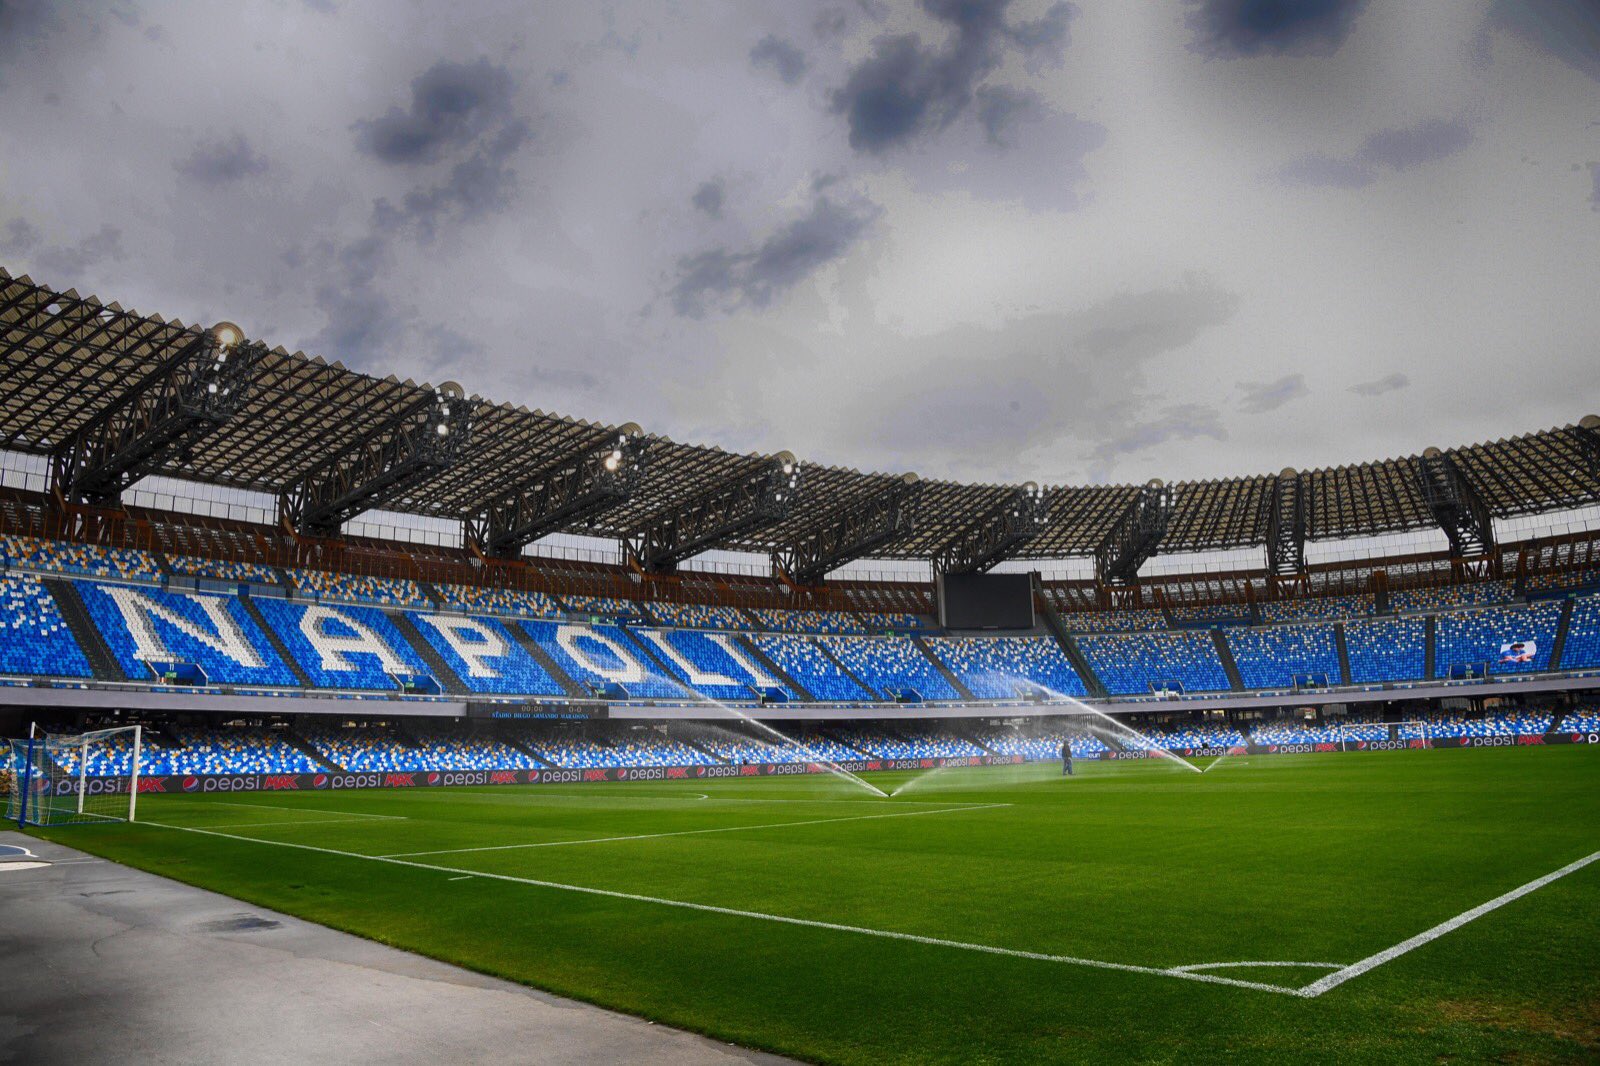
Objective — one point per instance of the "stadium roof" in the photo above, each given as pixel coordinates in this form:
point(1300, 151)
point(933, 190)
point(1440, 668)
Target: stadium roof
point(66, 357)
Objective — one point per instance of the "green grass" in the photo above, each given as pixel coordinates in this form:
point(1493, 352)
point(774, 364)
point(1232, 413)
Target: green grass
point(1323, 858)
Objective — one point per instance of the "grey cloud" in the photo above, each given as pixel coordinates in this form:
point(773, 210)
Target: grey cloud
point(218, 162)
point(781, 56)
point(1400, 148)
point(905, 90)
point(360, 319)
point(1001, 109)
point(1567, 29)
point(1236, 28)
point(21, 237)
point(708, 198)
point(786, 257)
point(1387, 383)
point(1594, 195)
point(67, 264)
point(451, 105)
point(477, 185)
point(1181, 422)
point(1263, 396)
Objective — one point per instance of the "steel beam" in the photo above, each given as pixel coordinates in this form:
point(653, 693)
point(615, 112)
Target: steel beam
point(853, 533)
point(710, 518)
point(1455, 504)
point(1135, 537)
point(995, 536)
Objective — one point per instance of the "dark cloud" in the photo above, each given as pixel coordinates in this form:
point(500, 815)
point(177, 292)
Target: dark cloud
point(219, 162)
point(65, 265)
point(1388, 383)
point(780, 56)
point(1234, 28)
point(1567, 29)
point(788, 256)
point(905, 89)
point(1594, 196)
point(1188, 421)
point(708, 198)
point(21, 237)
point(1263, 396)
point(1396, 149)
point(452, 104)
point(480, 184)
point(361, 321)
point(1001, 109)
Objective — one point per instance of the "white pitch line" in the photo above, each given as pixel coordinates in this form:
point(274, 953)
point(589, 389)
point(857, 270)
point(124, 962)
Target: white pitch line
point(686, 832)
point(887, 934)
point(302, 821)
point(1356, 969)
point(1193, 967)
point(312, 810)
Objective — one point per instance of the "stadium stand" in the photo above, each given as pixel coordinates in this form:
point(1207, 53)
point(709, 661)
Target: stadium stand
point(912, 743)
point(1509, 639)
point(700, 616)
point(370, 749)
point(1386, 649)
point(990, 667)
point(342, 646)
point(603, 606)
point(1176, 738)
point(706, 664)
point(1141, 618)
point(1130, 663)
point(84, 560)
point(143, 625)
point(484, 655)
point(598, 655)
point(1586, 721)
point(1443, 598)
point(34, 639)
point(444, 748)
point(1274, 656)
point(837, 623)
point(1319, 608)
point(1042, 744)
point(223, 570)
point(1582, 648)
point(1580, 578)
point(807, 663)
point(1215, 613)
point(1494, 724)
point(351, 588)
point(475, 599)
point(231, 751)
point(891, 666)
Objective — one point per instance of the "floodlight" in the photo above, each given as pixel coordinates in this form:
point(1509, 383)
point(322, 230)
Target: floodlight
point(226, 334)
point(613, 461)
point(442, 429)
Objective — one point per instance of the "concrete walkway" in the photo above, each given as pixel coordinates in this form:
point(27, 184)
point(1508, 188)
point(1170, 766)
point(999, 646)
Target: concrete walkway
point(103, 963)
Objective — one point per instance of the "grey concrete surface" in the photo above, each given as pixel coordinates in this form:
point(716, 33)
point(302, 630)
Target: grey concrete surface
point(100, 963)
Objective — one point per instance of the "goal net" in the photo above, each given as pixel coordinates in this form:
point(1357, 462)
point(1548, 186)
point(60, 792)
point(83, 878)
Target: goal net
point(51, 779)
point(1351, 735)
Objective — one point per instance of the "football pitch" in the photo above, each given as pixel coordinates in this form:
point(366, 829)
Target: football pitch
point(1388, 906)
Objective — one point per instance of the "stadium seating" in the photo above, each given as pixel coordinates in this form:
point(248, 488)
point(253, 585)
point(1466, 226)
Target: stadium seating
point(891, 666)
point(1179, 737)
point(86, 560)
point(444, 748)
point(1494, 724)
point(1317, 608)
point(990, 667)
point(1129, 663)
point(1273, 656)
point(1490, 635)
point(807, 663)
point(577, 753)
point(484, 655)
point(1217, 614)
point(1292, 732)
point(34, 639)
point(598, 655)
point(368, 750)
point(1583, 577)
point(233, 751)
point(706, 663)
point(700, 616)
point(351, 588)
point(476, 599)
point(603, 606)
point(913, 743)
point(1585, 721)
point(1139, 618)
point(223, 570)
point(342, 646)
point(143, 625)
point(832, 622)
point(1386, 649)
point(1041, 743)
point(1582, 648)
point(1482, 594)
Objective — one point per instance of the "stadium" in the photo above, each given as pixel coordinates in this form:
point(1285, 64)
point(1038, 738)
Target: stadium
point(366, 718)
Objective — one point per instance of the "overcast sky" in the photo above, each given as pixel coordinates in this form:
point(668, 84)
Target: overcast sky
point(974, 239)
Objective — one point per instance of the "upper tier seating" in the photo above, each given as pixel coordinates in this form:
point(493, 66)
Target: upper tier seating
point(342, 645)
point(1129, 663)
point(832, 622)
point(214, 632)
point(1273, 656)
point(223, 570)
point(1323, 608)
point(891, 665)
point(1582, 648)
point(991, 667)
point(1510, 639)
point(1138, 618)
point(1439, 599)
point(1218, 614)
point(34, 639)
point(350, 588)
point(700, 616)
point(1583, 577)
point(601, 654)
point(477, 599)
point(484, 655)
point(603, 606)
point(1386, 649)
point(710, 662)
point(810, 666)
point(88, 560)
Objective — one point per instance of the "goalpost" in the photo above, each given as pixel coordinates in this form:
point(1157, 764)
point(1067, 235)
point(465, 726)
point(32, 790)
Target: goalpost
point(75, 779)
point(1411, 729)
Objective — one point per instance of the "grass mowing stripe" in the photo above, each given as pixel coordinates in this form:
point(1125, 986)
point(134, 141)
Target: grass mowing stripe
point(313, 810)
point(1371, 962)
point(989, 949)
point(683, 832)
point(292, 821)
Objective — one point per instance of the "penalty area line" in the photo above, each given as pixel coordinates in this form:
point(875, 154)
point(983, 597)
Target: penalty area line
point(781, 919)
point(1372, 962)
point(687, 832)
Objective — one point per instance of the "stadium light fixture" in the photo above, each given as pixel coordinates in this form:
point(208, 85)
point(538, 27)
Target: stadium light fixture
point(226, 334)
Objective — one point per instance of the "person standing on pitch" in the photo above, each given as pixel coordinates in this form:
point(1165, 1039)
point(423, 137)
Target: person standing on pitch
point(1066, 757)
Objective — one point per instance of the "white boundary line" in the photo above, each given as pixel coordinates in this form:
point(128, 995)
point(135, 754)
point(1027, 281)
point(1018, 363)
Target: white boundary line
point(988, 949)
point(302, 821)
point(1192, 967)
point(1356, 969)
point(301, 810)
point(686, 832)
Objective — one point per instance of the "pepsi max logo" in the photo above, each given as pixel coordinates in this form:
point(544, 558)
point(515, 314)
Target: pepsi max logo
point(191, 784)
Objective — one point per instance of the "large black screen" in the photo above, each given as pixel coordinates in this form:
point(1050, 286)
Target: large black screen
point(986, 601)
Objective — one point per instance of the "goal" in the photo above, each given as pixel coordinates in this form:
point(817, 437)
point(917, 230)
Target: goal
point(1352, 735)
point(67, 780)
